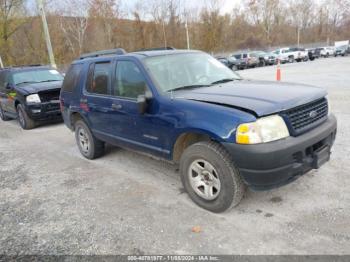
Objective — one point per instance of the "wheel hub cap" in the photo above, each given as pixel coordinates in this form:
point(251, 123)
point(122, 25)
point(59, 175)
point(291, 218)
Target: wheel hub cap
point(84, 141)
point(204, 180)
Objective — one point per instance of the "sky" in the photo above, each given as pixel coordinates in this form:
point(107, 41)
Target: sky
point(226, 5)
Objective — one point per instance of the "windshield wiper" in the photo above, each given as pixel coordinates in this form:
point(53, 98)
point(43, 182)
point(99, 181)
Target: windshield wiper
point(187, 87)
point(45, 81)
point(27, 82)
point(222, 81)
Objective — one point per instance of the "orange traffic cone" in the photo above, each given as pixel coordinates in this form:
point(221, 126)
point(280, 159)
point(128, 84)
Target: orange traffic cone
point(278, 74)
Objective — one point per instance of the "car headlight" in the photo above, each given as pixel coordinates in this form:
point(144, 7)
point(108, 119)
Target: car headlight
point(264, 130)
point(33, 99)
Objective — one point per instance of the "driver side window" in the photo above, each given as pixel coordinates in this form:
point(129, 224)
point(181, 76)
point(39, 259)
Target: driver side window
point(129, 80)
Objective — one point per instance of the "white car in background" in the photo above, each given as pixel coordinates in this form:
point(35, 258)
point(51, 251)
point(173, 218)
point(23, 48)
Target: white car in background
point(327, 51)
point(290, 55)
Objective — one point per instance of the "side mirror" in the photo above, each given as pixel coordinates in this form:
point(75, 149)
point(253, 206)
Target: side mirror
point(142, 102)
point(9, 86)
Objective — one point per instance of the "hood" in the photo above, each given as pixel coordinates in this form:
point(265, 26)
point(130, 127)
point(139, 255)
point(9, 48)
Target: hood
point(35, 88)
point(260, 97)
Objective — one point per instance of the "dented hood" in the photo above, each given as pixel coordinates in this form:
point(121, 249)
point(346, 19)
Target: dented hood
point(261, 97)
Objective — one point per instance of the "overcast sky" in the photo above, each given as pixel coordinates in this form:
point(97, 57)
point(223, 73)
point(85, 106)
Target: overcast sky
point(226, 5)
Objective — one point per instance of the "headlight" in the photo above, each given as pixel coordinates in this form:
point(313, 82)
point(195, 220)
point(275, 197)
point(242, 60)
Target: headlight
point(33, 99)
point(266, 129)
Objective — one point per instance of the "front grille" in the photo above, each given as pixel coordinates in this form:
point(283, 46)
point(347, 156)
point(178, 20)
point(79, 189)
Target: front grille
point(305, 117)
point(47, 96)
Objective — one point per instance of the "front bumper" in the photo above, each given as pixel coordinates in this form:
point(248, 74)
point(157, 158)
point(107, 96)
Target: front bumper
point(274, 164)
point(44, 111)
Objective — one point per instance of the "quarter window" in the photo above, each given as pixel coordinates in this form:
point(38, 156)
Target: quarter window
point(72, 78)
point(130, 81)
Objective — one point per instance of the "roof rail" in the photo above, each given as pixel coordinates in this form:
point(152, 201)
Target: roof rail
point(157, 49)
point(118, 51)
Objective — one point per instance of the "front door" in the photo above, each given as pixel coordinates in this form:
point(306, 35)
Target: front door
point(128, 125)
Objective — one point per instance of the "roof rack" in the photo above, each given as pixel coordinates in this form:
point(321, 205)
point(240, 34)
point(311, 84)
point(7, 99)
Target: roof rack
point(118, 51)
point(157, 49)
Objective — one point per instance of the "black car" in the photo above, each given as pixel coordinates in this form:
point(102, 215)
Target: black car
point(230, 62)
point(30, 94)
point(314, 53)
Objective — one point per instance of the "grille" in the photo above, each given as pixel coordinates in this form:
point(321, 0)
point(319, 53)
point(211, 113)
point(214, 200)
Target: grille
point(48, 96)
point(307, 116)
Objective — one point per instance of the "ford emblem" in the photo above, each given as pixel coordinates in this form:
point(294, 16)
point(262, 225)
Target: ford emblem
point(313, 114)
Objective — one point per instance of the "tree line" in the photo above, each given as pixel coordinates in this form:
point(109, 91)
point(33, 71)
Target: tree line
point(80, 26)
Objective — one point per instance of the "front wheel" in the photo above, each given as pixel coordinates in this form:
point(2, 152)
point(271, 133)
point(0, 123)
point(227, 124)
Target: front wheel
point(24, 120)
point(234, 68)
point(210, 178)
point(89, 146)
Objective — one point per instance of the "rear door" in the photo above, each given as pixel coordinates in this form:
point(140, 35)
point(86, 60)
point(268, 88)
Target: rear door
point(7, 95)
point(3, 95)
point(97, 97)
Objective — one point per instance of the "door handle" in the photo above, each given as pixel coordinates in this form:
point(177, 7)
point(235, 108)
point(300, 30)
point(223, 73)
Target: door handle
point(117, 106)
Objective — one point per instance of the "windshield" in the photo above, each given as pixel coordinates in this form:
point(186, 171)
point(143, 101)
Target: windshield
point(37, 76)
point(187, 70)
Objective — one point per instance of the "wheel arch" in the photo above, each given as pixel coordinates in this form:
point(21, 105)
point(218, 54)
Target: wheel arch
point(188, 138)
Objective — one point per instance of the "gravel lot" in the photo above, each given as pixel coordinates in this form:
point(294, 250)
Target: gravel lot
point(52, 201)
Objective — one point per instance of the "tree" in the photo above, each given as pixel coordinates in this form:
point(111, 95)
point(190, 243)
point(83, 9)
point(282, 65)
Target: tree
point(11, 20)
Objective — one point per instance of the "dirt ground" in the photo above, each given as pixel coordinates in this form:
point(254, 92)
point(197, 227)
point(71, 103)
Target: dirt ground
point(52, 201)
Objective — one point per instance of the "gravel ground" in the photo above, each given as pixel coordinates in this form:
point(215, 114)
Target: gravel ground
point(52, 201)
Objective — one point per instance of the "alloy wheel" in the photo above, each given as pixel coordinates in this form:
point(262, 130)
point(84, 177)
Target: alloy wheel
point(204, 179)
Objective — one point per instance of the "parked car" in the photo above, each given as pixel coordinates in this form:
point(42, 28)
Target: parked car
point(230, 62)
point(342, 50)
point(327, 51)
point(290, 55)
point(313, 53)
point(187, 107)
point(30, 94)
point(266, 58)
point(245, 60)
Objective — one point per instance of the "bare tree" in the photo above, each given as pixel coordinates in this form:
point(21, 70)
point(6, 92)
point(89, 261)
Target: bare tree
point(72, 21)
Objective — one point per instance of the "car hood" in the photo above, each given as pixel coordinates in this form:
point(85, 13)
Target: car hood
point(260, 97)
point(35, 88)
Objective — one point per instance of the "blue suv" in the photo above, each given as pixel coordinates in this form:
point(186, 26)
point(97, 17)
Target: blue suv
point(226, 133)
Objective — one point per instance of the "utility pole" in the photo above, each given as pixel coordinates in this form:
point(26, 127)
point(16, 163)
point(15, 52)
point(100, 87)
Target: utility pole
point(298, 36)
point(187, 34)
point(46, 32)
point(1, 64)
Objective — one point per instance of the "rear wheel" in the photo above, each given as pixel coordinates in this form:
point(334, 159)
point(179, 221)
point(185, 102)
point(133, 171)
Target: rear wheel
point(89, 146)
point(24, 120)
point(2, 115)
point(210, 177)
point(291, 59)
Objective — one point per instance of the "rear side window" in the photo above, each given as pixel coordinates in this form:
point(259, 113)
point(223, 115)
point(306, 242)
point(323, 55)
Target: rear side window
point(71, 80)
point(99, 78)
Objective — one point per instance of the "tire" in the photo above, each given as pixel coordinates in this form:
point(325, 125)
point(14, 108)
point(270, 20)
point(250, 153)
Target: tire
point(291, 59)
point(2, 115)
point(89, 146)
point(234, 68)
point(24, 120)
point(227, 187)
